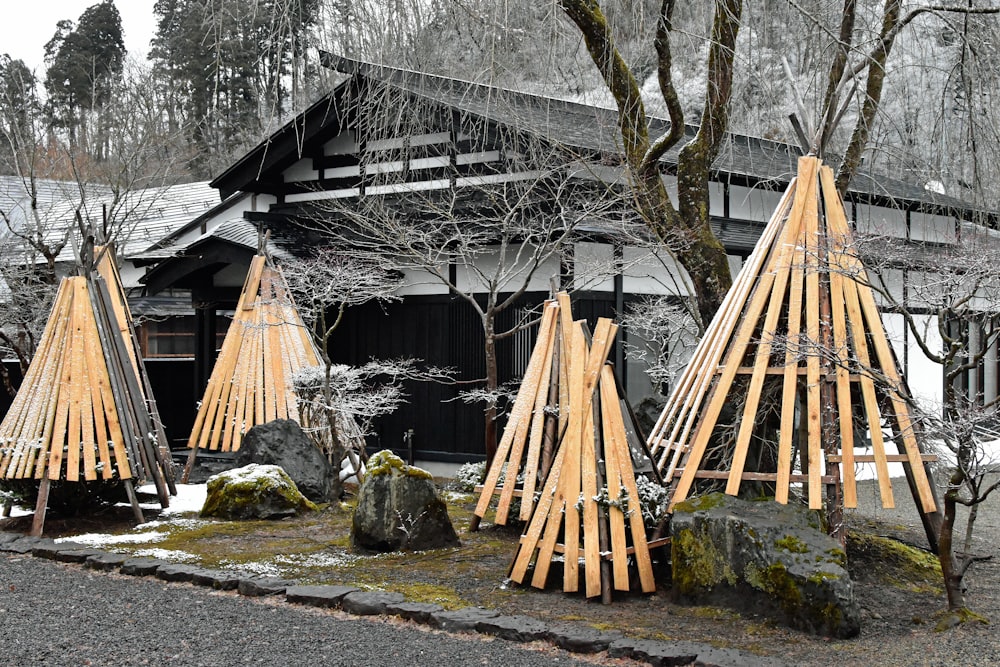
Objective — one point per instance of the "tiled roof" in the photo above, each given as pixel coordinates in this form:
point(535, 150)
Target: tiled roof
point(594, 129)
point(148, 215)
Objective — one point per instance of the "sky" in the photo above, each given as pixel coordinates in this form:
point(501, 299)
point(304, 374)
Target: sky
point(28, 24)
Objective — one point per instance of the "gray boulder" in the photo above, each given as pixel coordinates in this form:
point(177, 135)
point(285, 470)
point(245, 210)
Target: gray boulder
point(254, 492)
point(283, 443)
point(399, 509)
point(763, 556)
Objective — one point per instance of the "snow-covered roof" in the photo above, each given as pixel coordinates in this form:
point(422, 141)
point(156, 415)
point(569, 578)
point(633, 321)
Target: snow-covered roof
point(139, 219)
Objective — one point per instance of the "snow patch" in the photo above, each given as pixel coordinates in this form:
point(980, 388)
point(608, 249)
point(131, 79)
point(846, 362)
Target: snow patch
point(101, 539)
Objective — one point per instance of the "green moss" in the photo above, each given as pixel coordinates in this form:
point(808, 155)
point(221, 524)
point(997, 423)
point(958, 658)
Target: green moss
point(792, 544)
point(819, 577)
point(386, 463)
point(956, 617)
point(697, 564)
point(776, 582)
point(707, 502)
point(837, 556)
point(895, 563)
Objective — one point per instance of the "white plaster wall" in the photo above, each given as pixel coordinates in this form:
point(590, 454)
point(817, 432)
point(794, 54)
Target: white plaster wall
point(420, 282)
point(752, 203)
point(649, 272)
point(879, 221)
point(342, 144)
point(932, 228)
point(593, 267)
point(300, 171)
point(512, 272)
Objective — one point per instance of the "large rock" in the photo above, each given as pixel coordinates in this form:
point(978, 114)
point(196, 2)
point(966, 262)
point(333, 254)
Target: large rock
point(254, 492)
point(763, 556)
point(283, 443)
point(399, 509)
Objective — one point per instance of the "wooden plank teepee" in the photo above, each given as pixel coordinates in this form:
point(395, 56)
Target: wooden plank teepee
point(587, 459)
point(82, 413)
point(799, 356)
point(251, 383)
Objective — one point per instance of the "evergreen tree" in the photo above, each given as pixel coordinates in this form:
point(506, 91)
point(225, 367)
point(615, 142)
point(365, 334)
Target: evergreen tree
point(83, 62)
point(228, 66)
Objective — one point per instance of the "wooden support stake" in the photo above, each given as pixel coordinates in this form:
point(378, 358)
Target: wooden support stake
point(134, 502)
point(38, 522)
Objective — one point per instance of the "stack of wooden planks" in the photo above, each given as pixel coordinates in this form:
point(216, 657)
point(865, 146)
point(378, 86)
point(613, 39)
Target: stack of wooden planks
point(799, 355)
point(83, 410)
point(251, 383)
point(582, 471)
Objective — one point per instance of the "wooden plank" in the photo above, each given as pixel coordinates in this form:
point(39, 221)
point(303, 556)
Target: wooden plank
point(87, 427)
point(522, 412)
point(789, 385)
point(812, 304)
point(869, 398)
point(506, 452)
point(534, 455)
point(591, 529)
point(548, 500)
point(99, 384)
point(891, 458)
point(60, 427)
point(624, 464)
point(35, 404)
point(760, 476)
point(887, 362)
point(570, 475)
point(836, 226)
point(616, 517)
point(251, 286)
point(694, 381)
point(737, 350)
point(41, 507)
point(236, 405)
point(779, 283)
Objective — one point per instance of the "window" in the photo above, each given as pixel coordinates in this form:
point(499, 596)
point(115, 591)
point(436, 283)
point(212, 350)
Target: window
point(175, 336)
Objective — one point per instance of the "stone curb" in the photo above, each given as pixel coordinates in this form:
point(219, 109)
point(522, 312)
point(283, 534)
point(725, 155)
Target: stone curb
point(263, 586)
point(568, 636)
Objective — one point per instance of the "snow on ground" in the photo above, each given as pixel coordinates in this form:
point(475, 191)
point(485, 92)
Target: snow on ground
point(189, 498)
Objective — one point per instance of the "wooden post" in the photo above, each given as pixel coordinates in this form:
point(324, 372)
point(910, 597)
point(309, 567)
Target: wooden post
point(189, 465)
point(38, 523)
point(134, 501)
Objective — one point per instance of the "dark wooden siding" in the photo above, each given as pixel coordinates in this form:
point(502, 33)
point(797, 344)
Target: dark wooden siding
point(446, 332)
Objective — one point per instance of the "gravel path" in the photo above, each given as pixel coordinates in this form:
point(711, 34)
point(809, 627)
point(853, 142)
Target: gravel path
point(52, 614)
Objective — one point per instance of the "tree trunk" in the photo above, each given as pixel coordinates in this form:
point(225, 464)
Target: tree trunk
point(949, 568)
point(492, 383)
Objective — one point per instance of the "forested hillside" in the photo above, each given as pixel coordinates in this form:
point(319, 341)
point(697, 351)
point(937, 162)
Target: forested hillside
point(222, 74)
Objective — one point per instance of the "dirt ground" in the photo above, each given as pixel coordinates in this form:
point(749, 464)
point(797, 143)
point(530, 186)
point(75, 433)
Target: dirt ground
point(900, 605)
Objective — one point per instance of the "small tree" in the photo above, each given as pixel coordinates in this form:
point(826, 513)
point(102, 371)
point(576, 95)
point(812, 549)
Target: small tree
point(339, 401)
point(325, 286)
point(947, 296)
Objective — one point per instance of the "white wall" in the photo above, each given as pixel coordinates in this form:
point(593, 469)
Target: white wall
point(512, 272)
point(752, 203)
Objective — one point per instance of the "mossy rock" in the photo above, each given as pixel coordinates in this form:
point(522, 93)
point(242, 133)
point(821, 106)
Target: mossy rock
point(399, 508)
point(765, 557)
point(254, 492)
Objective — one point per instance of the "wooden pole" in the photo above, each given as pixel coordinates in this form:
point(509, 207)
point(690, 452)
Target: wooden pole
point(38, 523)
point(134, 501)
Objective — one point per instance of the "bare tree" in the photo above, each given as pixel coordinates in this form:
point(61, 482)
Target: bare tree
point(947, 297)
point(488, 232)
point(57, 188)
